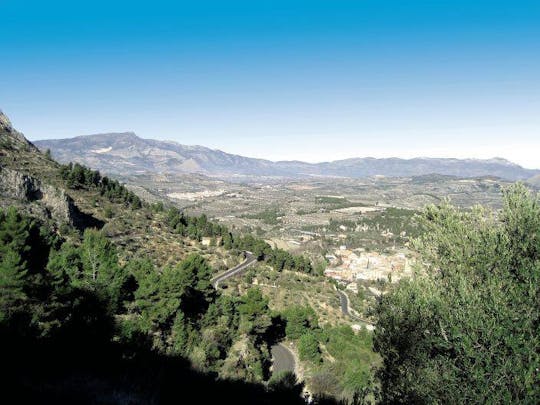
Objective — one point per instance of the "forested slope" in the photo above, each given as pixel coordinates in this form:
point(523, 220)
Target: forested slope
point(106, 299)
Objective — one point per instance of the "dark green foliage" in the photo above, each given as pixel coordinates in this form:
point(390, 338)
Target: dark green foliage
point(193, 227)
point(82, 310)
point(184, 315)
point(330, 200)
point(38, 294)
point(158, 207)
point(468, 330)
point(183, 335)
point(253, 304)
point(269, 216)
point(149, 301)
point(194, 275)
point(92, 266)
point(253, 308)
point(65, 266)
point(277, 258)
point(300, 320)
point(15, 235)
point(283, 383)
point(78, 176)
point(12, 282)
point(81, 177)
point(349, 374)
point(334, 203)
point(108, 212)
point(24, 249)
point(354, 358)
point(308, 348)
point(199, 227)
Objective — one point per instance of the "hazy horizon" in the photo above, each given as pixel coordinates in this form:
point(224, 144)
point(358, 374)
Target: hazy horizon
point(288, 160)
point(311, 81)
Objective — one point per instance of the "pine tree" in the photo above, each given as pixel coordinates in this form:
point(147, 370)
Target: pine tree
point(100, 270)
point(12, 283)
point(14, 232)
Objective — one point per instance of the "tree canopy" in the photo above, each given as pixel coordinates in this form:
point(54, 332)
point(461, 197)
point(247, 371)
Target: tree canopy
point(466, 328)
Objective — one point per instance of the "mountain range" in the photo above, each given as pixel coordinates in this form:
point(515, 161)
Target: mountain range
point(128, 154)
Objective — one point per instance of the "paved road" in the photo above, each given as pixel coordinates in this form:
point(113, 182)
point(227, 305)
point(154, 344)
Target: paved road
point(282, 359)
point(250, 259)
point(344, 302)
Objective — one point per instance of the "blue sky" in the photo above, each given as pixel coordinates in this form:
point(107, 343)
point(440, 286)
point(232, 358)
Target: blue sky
point(309, 80)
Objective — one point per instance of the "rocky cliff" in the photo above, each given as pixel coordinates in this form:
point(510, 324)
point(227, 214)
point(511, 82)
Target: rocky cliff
point(22, 174)
point(16, 187)
point(5, 123)
point(11, 137)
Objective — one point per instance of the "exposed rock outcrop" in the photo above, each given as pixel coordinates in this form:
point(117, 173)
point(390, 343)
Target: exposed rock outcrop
point(15, 138)
point(18, 186)
point(5, 123)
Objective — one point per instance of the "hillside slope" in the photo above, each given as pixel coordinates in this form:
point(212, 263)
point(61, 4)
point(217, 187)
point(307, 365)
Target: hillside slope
point(127, 313)
point(32, 182)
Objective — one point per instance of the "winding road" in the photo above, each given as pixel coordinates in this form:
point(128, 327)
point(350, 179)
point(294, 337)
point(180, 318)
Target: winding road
point(282, 358)
point(250, 259)
point(344, 302)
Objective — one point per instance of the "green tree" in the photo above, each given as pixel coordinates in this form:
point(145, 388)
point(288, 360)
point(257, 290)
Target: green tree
point(183, 335)
point(185, 287)
point(285, 387)
point(148, 300)
point(299, 321)
point(467, 328)
point(65, 266)
point(108, 212)
point(100, 271)
point(254, 310)
point(308, 348)
point(12, 283)
point(197, 291)
point(15, 251)
point(14, 233)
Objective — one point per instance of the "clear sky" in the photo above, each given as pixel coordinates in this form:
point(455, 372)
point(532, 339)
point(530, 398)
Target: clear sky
point(309, 80)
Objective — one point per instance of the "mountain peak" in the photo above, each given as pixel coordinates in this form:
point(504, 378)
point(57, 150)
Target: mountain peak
point(12, 136)
point(125, 153)
point(5, 123)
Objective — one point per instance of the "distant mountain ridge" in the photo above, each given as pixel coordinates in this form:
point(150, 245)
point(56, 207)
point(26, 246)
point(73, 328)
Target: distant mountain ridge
point(127, 154)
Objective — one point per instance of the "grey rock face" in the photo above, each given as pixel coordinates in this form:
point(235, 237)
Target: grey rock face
point(5, 123)
point(18, 186)
point(14, 138)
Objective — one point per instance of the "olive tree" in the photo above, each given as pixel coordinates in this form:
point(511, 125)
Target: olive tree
point(466, 327)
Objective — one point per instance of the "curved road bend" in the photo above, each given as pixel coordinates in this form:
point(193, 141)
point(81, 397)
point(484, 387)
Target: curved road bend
point(344, 302)
point(250, 259)
point(282, 359)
